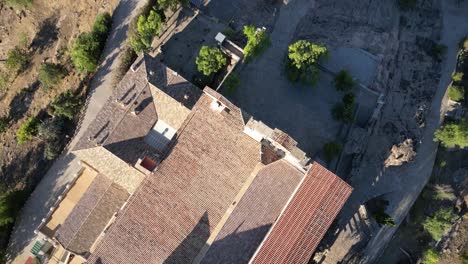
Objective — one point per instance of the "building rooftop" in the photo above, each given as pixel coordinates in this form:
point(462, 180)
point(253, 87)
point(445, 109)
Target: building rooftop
point(91, 215)
point(255, 213)
point(306, 218)
point(176, 208)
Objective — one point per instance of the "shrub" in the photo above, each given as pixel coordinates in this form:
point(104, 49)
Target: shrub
point(430, 257)
point(453, 134)
point(51, 74)
point(344, 81)
point(377, 211)
point(444, 192)
point(146, 29)
point(257, 41)
point(16, 60)
point(50, 130)
point(439, 224)
point(86, 52)
point(231, 83)
point(457, 77)
point(88, 47)
point(456, 93)
point(348, 100)
point(407, 4)
point(210, 60)
point(3, 125)
point(331, 150)
point(303, 58)
point(19, 3)
point(4, 79)
point(126, 61)
point(66, 105)
point(52, 150)
point(464, 257)
point(342, 113)
point(102, 26)
point(439, 51)
point(27, 130)
point(10, 204)
point(172, 4)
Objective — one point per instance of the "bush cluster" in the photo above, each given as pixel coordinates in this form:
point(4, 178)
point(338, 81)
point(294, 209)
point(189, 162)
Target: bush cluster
point(88, 47)
point(430, 257)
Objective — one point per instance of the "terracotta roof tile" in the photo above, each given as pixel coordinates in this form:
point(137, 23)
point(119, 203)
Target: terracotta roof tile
point(306, 218)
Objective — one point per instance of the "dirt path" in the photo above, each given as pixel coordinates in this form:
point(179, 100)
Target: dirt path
point(63, 170)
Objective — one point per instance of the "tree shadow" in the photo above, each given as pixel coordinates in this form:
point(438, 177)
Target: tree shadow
point(22, 101)
point(47, 34)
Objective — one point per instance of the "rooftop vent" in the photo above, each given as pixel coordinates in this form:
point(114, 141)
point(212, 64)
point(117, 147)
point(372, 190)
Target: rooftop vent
point(217, 106)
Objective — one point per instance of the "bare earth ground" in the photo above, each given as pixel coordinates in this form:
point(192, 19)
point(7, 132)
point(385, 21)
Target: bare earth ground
point(63, 170)
point(411, 78)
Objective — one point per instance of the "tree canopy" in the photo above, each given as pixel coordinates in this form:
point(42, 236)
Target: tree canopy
point(453, 134)
point(172, 4)
point(88, 47)
point(27, 130)
point(16, 60)
point(147, 28)
point(51, 74)
point(439, 224)
point(303, 58)
point(456, 93)
point(65, 105)
point(257, 41)
point(210, 60)
point(344, 81)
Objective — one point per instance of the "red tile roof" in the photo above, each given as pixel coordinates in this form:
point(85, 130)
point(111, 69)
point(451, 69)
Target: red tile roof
point(306, 218)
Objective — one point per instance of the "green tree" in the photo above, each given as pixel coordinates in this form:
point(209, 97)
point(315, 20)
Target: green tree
point(348, 100)
point(66, 105)
point(51, 74)
point(88, 47)
point(102, 26)
point(10, 204)
point(457, 76)
point(257, 41)
point(86, 52)
point(464, 255)
point(210, 60)
point(147, 28)
point(439, 224)
point(430, 257)
point(344, 81)
point(453, 134)
point(50, 130)
point(27, 130)
point(16, 60)
point(172, 4)
point(456, 93)
point(331, 150)
point(303, 59)
point(407, 4)
point(3, 125)
point(52, 150)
